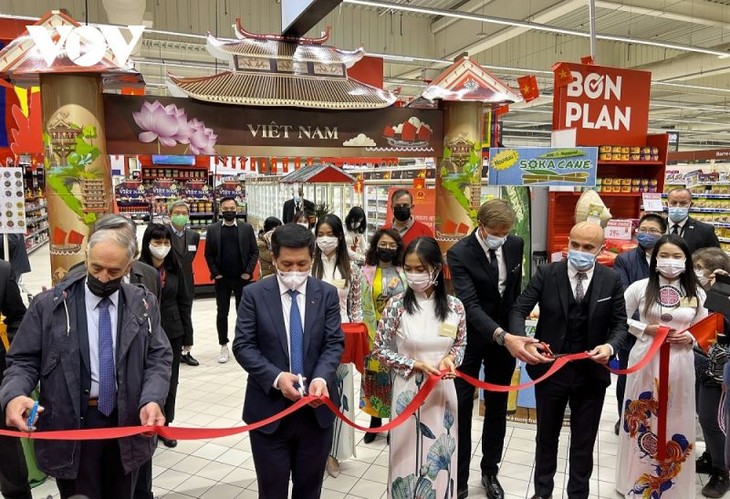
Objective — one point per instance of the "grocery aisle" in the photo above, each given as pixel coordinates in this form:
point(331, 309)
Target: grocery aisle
point(211, 395)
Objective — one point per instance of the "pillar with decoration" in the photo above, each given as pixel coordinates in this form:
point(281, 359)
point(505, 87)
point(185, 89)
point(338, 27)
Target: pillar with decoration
point(72, 63)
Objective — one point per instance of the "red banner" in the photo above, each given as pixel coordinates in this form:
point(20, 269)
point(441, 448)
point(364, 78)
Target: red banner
point(607, 106)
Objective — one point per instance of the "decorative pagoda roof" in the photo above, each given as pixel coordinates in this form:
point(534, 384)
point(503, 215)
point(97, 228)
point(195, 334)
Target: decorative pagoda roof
point(318, 174)
point(22, 62)
point(272, 89)
point(272, 70)
point(467, 81)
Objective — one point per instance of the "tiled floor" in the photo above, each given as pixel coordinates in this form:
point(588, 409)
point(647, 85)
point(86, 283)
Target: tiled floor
point(211, 395)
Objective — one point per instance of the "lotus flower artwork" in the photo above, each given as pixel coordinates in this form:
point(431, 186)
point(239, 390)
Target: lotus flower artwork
point(169, 126)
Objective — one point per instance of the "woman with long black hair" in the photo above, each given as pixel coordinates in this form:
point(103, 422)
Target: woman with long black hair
point(423, 332)
point(669, 297)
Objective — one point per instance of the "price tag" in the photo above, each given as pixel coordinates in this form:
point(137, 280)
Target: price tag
point(652, 201)
point(618, 229)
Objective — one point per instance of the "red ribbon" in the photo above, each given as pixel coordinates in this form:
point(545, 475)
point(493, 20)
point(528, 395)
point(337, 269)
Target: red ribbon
point(179, 433)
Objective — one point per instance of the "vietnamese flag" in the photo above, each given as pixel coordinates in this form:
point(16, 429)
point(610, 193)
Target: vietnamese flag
point(528, 87)
point(706, 331)
point(563, 76)
point(587, 60)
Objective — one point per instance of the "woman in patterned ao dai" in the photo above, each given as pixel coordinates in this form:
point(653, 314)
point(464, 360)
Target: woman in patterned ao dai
point(423, 332)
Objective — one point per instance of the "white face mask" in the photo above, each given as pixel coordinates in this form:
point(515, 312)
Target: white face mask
point(327, 244)
point(670, 268)
point(305, 225)
point(159, 252)
point(701, 278)
point(419, 281)
point(293, 279)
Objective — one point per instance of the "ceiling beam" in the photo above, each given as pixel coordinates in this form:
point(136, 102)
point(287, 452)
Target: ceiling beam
point(472, 6)
point(703, 13)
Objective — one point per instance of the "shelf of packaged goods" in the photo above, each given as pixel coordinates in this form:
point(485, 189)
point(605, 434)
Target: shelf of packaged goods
point(724, 239)
point(135, 214)
point(36, 232)
point(37, 208)
point(602, 162)
point(36, 246)
point(699, 182)
point(201, 214)
point(607, 194)
point(35, 220)
point(709, 210)
point(200, 179)
point(32, 198)
point(705, 196)
point(724, 225)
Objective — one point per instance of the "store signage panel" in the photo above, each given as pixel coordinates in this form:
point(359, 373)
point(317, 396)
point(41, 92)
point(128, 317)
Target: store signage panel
point(540, 166)
point(138, 125)
point(604, 105)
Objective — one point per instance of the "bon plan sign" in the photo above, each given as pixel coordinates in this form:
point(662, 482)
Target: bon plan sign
point(606, 106)
point(541, 166)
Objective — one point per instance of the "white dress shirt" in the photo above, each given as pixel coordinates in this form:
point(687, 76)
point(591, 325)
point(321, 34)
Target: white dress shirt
point(680, 230)
point(572, 277)
point(92, 329)
point(501, 264)
point(332, 275)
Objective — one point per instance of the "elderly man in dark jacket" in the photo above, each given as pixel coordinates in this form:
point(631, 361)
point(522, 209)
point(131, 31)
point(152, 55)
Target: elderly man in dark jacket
point(97, 348)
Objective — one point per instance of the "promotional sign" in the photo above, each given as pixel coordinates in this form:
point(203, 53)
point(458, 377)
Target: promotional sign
point(652, 201)
point(540, 166)
point(605, 105)
point(12, 201)
point(424, 205)
point(621, 230)
point(148, 125)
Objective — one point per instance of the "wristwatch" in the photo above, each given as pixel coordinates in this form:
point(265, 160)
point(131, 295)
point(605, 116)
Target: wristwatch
point(499, 337)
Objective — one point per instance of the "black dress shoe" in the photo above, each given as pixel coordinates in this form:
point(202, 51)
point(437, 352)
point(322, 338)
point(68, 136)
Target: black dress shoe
point(168, 443)
point(189, 360)
point(492, 486)
point(462, 494)
point(617, 427)
point(542, 497)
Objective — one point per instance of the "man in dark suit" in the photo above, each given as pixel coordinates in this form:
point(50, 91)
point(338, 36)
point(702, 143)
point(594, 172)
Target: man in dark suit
point(486, 270)
point(288, 330)
point(295, 204)
point(231, 253)
point(695, 233)
point(582, 309)
point(185, 246)
point(13, 471)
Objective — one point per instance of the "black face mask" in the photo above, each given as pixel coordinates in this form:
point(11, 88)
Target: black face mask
point(402, 213)
point(103, 289)
point(386, 254)
point(228, 216)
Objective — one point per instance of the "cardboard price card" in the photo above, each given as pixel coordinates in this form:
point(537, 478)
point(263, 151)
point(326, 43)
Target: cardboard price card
point(619, 229)
point(540, 166)
point(12, 202)
point(652, 202)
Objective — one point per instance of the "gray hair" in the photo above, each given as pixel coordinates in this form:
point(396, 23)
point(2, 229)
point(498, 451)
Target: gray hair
point(117, 223)
point(177, 203)
point(123, 238)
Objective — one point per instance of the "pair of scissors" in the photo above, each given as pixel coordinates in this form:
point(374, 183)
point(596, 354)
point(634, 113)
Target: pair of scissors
point(32, 417)
point(545, 350)
point(302, 389)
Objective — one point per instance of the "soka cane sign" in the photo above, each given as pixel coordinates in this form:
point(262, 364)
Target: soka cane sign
point(604, 105)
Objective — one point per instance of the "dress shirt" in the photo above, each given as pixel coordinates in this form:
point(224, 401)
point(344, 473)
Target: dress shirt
point(233, 223)
point(92, 329)
point(501, 264)
point(178, 233)
point(681, 224)
point(404, 229)
point(572, 277)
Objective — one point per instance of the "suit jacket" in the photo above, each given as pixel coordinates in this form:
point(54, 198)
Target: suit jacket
point(478, 289)
point(289, 209)
point(698, 235)
point(262, 349)
point(11, 306)
point(171, 296)
point(185, 261)
point(246, 245)
point(550, 288)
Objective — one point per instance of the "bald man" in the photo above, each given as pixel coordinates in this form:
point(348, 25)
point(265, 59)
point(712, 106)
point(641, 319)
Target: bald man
point(581, 310)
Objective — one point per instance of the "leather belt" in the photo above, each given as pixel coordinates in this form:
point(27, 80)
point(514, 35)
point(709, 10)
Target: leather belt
point(94, 402)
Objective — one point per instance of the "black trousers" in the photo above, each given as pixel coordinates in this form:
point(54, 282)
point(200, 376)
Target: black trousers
point(223, 289)
point(186, 317)
point(176, 344)
point(499, 368)
point(584, 394)
point(708, 404)
point(13, 470)
point(101, 475)
point(299, 447)
point(623, 363)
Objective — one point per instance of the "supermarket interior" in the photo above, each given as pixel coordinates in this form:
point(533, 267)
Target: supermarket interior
point(520, 138)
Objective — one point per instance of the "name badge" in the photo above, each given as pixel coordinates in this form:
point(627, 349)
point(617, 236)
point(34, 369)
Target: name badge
point(191, 247)
point(338, 283)
point(688, 302)
point(448, 330)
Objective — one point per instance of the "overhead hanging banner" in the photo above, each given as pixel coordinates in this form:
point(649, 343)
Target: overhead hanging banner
point(540, 166)
point(606, 106)
point(139, 125)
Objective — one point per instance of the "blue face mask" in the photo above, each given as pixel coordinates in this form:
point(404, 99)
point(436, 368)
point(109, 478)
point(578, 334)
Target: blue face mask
point(647, 240)
point(678, 213)
point(581, 260)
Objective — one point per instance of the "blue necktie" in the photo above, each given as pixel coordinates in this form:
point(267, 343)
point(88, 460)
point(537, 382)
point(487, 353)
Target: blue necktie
point(107, 383)
point(296, 335)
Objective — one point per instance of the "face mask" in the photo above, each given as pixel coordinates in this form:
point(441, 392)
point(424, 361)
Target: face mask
point(419, 281)
point(304, 224)
point(179, 220)
point(327, 244)
point(670, 267)
point(103, 289)
point(292, 279)
point(704, 281)
point(678, 213)
point(296, 198)
point(494, 242)
point(228, 216)
point(385, 254)
point(646, 240)
point(159, 252)
point(581, 260)
point(402, 213)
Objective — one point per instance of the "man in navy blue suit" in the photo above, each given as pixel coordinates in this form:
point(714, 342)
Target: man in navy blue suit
point(289, 340)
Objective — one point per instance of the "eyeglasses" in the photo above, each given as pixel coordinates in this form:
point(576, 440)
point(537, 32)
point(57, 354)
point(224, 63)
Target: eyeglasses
point(655, 232)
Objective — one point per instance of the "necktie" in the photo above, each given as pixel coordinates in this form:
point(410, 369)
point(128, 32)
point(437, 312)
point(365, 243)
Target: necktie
point(675, 229)
point(493, 263)
point(579, 291)
point(107, 383)
point(296, 336)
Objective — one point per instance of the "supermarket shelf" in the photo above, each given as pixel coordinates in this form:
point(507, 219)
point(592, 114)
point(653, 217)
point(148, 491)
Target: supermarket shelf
point(31, 210)
point(35, 220)
point(672, 182)
point(602, 194)
point(725, 225)
point(33, 248)
point(35, 232)
point(629, 163)
point(201, 214)
point(708, 196)
point(200, 179)
point(724, 239)
point(709, 210)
